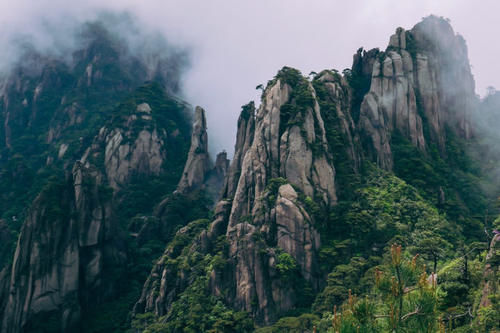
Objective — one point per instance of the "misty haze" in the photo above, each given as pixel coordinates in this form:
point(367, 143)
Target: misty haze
point(270, 166)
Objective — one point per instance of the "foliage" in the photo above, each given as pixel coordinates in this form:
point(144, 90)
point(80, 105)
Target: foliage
point(488, 318)
point(431, 245)
point(195, 309)
point(488, 313)
point(458, 284)
point(247, 110)
point(286, 266)
point(344, 277)
point(288, 75)
point(451, 184)
point(57, 105)
point(300, 324)
point(432, 204)
point(383, 208)
point(403, 300)
point(274, 184)
point(300, 100)
point(273, 187)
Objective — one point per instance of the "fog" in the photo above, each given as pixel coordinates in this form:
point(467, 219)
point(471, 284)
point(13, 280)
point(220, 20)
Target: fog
point(234, 46)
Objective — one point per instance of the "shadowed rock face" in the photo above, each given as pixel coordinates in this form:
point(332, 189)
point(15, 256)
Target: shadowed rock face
point(71, 243)
point(5, 238)
point(286, 157)
point(391, 104)
point(128, 154)
point(283, 223)
point(244, 139)
point(60, 259)
point(285, 153)
point(198, 161)
point(263, 215)
point(424, 76)
point(53, 98)
point(216, 177)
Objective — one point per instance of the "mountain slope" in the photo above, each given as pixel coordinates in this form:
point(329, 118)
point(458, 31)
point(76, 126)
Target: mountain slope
point(307, 204)
point(96, 146)
point(365, 183)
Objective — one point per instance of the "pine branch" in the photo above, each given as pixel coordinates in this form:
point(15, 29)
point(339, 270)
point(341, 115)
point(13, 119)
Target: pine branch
point(408, 315)
point(468, 312)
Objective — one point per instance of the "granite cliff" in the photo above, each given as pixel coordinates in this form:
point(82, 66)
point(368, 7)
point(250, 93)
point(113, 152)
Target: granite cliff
point(304, 149)
point(130, 223)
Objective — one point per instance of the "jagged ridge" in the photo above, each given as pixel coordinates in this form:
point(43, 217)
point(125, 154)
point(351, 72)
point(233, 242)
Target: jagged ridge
point(284, 167)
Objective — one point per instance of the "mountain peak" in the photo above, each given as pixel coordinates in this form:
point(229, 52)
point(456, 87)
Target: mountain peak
point(329, 171)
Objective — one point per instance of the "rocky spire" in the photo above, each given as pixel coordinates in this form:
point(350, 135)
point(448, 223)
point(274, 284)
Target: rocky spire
point(281, 147)
point(285, 156)
point(391, 104)
point(244, 139)
point(198, 162)
point(281, 158)
point(216, 177)
point(70, 238)
point(423, 77)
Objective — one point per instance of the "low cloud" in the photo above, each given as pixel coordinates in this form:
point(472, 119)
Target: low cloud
point(236, 46)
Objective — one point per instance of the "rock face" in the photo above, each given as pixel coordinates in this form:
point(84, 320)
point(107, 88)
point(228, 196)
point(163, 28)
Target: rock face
point(59, 261)
point(290, 151)
point(281, 158)
point(259, 253)
point(25, 96)
point(198, 161)
point(244, 139)
point(51, 108)
point(71, 240)
point(391, 105)
point(5, 238)
point(335, 97)
point(424, 76)
point(51, 98)
point(215, 178)
point(127, 153)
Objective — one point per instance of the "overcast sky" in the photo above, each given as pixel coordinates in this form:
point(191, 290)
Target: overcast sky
point(236, 45)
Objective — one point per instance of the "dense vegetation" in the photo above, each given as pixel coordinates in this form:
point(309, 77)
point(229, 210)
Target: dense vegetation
point(403, 297)
point(54, 104)
point(196, 310)
point(382, 244)
point(434, 207)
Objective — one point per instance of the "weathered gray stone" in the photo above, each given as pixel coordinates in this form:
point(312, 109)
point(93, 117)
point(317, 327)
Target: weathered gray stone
point(244, 139)
point(296, 234)
point(198, 162)
point(261, 154)
point(144, 156)
point(260, 221)
point(144, 108)
point(60, 258)
point(438, 76)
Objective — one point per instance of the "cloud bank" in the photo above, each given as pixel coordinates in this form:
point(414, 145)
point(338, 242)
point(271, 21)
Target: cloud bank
point(234, 46)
